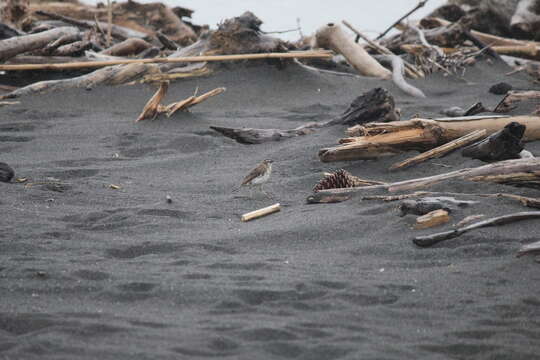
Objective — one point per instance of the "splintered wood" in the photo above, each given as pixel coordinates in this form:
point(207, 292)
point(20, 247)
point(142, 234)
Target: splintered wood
point(154, 107)
point(432, 219)
point(261, 212)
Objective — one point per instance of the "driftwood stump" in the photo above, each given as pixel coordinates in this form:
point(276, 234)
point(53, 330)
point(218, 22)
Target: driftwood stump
point(505, 144)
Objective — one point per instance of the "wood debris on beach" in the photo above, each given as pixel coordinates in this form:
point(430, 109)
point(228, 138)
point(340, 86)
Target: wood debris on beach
point(130, 42)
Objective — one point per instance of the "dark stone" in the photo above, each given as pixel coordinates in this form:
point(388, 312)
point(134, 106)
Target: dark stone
point(6, 172)
point(500, 88)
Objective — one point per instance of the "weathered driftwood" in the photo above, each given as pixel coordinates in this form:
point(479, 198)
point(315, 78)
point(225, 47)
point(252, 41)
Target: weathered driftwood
point(521, 172)
point(426, 205)
point(505, 144)
point(442, 150)
point(512, 97)
point(119, 32)
point(430, 240)
point(398, 70)
point(167, 60)
point(530, 249)
point(131, 46)
point(76, 48)
point(21, 44)
point(374, 105)
point(154, 107)
point(333, 37)
point(432, 219)
point(410, 69)
point(379, 140)
point(261, 212)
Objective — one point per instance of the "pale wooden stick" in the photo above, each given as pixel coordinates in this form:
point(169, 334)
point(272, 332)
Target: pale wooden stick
point(533, 248)
point(441, 150)
point(261, 212)
point(432, 219)
point(95, 64)
point(411, 70)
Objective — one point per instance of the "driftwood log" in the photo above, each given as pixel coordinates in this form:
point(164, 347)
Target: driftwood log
point(131, 46)
point(21, 44)
point(430, 240)
point(513, 97)
point(378, 140)
point(521, 172)
point(333, 37)
point(374, 105)
point(505, 144)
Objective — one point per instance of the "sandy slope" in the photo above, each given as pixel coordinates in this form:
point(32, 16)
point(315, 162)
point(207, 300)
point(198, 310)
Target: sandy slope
point(93, 272)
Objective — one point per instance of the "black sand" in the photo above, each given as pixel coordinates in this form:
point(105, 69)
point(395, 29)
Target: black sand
point(97, 273)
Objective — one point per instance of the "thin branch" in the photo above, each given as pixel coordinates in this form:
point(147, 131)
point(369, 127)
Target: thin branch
point(419, 6)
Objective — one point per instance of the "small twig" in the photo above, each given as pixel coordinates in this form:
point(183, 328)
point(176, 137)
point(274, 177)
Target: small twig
point(281, 32)
point(419, 6)
point(299, 28)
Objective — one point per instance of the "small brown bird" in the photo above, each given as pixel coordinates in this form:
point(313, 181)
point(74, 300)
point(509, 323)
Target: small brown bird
point(259, 175)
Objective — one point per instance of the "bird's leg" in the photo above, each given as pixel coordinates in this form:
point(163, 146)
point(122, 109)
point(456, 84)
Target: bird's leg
point(265, 193)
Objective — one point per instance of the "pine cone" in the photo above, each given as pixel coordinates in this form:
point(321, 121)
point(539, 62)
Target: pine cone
point(337, 180)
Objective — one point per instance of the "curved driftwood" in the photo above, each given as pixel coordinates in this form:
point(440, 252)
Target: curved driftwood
point(332, 36)
point(379, 140)
point(131, 46)
point(377, 104)
point(21, 44)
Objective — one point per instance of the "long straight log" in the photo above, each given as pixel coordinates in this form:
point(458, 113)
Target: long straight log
point(21, 44)
point(96, 64)
point(386, 139)
point(521, 172)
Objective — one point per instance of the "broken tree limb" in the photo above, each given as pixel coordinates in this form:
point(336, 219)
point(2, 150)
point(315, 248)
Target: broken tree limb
point(521, 172)
point(376, 104)
point(441, 150)
point(151, 109)
point(333, 37)
point(411, 70)
point(131, 46)
point(192, 101)
point(505, 144)
point(420, 5)
point(387, 139)
point(94, 64)
point(430, 240)
point(116, 31)
point(513, 97)
point(21, 44)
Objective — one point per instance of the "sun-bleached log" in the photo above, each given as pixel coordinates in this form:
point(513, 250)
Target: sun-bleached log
point(333, 37)
point(21, 44)
point(387, 139)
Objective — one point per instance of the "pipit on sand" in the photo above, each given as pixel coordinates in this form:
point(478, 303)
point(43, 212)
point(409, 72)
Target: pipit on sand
point(259, 175)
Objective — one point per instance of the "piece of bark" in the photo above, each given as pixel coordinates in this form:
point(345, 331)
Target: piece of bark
point(505, 144)
point(21, 44)
point(475, 109)
point(131, 46)
point(442, 150)
point(387, 139)
point(430, 240)
point(332, 36)
point(374, 105)
point(530, 249)
point(521, 172)
point(6, 172)
point(432, 219)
